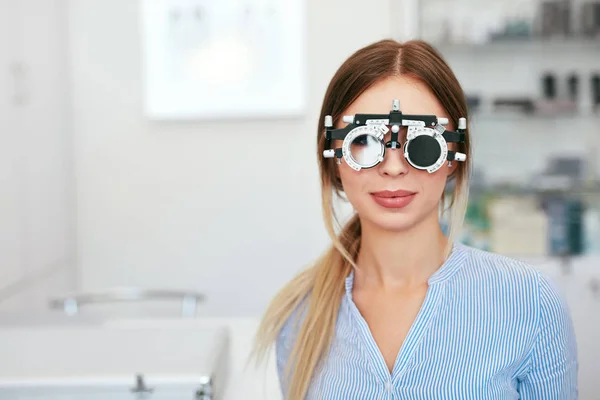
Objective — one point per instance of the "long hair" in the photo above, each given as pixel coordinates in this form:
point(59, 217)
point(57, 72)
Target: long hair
point(318, 290)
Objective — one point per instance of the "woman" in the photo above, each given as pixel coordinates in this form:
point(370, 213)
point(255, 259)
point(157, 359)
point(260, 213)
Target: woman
point(395, 309)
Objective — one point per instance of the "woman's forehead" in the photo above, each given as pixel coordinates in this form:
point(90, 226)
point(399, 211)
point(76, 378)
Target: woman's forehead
point(415, 98)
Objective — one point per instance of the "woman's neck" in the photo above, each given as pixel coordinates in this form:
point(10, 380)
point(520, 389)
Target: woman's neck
point(399, 260)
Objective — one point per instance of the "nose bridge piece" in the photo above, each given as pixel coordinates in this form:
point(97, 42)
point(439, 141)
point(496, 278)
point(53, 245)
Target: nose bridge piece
point(395, 138)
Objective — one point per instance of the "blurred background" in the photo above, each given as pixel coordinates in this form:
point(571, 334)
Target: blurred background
point(163, 152)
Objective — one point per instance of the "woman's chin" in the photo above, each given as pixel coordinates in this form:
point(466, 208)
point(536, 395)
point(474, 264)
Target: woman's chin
point(393, 222)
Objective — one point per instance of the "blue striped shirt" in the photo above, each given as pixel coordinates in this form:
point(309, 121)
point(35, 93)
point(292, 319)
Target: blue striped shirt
point(490, 327)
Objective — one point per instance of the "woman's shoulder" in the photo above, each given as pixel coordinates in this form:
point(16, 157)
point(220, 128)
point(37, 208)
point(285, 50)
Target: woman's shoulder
point(488, 264)
point(502, 273)
point(517, 287)
point(533, 303)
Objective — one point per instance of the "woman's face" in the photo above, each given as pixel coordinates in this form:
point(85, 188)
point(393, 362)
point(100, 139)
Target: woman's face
point(421, 191)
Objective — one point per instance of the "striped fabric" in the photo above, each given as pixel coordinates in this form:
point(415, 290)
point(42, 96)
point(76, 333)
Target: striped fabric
point(490, 327)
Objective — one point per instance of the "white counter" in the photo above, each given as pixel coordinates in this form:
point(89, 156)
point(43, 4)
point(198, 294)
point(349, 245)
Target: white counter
point(165, 350)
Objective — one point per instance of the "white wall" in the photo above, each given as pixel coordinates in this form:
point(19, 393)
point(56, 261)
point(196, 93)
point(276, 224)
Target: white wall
point(36, 204)
point(155, 209)
point(10, 228)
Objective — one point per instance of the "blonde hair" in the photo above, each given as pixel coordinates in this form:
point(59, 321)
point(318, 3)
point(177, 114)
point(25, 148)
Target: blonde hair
point(322, 284)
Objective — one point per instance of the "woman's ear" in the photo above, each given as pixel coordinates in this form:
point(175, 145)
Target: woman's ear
point(452, 168)
point(338, 177)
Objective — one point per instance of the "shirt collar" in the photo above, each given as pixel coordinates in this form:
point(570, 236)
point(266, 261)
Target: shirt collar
point(457, 258)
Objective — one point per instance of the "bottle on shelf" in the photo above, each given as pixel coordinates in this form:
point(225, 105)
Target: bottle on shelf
point(595, 89)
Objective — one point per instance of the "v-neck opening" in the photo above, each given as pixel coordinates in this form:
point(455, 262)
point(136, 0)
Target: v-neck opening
point(413, 337)
point(419, 326)
point(417, 329)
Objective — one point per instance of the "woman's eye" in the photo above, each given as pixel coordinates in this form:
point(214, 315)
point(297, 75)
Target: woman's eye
point(360, 141)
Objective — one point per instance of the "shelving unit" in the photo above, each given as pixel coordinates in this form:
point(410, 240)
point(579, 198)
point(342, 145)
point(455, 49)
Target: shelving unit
point(503, 47)
point(515, 46)
point(473, 21)
point(515, 152)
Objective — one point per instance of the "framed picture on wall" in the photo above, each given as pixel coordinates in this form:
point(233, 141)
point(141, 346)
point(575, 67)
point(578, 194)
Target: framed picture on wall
point(207, 59)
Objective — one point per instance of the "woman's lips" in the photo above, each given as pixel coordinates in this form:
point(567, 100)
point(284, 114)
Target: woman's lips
point(393, 199)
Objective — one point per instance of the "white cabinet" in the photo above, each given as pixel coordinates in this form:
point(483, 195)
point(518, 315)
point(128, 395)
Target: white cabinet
point(35, 166)
point(171, 359)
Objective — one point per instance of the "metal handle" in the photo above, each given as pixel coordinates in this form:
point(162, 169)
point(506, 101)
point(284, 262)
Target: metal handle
point(71, 304)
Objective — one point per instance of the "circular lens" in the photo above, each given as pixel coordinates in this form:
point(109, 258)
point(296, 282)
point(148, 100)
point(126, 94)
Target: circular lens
point(366, 150)
point(423, 151)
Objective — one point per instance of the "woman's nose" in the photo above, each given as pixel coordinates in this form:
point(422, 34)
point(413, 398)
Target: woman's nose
point(393, 163)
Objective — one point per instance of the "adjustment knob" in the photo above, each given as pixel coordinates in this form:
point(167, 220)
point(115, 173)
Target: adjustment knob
point(329, 153)
point(460, 156)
